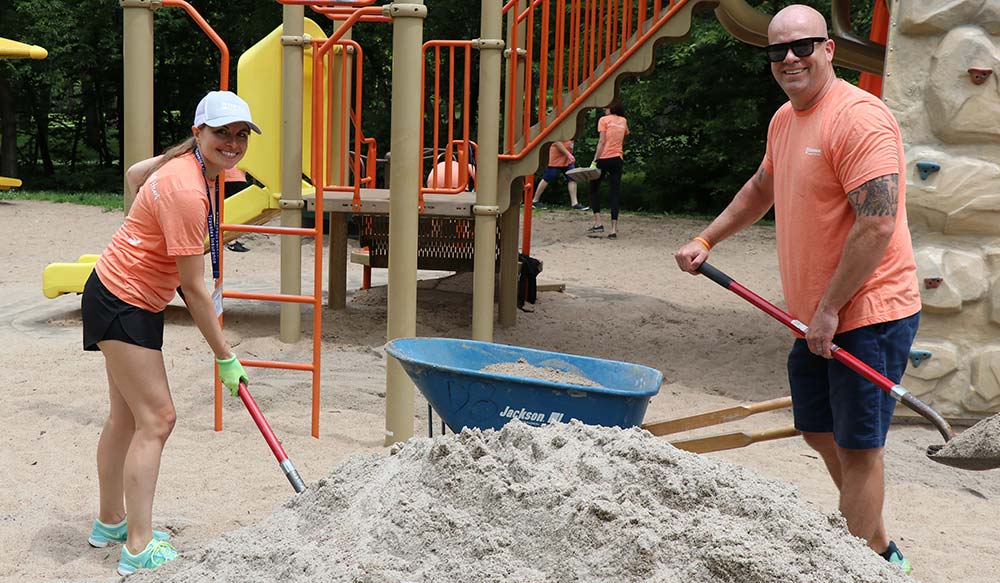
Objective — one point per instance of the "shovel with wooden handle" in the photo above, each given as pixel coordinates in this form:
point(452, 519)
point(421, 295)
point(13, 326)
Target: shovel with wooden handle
point(732, 440)
point(715, 417)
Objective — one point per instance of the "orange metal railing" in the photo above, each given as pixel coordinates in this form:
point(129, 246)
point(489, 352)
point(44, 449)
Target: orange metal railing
point(456, 55)
point(211, 34)
point(565, 49)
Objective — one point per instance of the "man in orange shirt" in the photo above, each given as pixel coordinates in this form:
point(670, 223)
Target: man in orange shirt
point(834, 171)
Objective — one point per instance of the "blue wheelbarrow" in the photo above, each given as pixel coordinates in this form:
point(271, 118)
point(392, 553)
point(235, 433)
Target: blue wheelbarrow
point(449, 372)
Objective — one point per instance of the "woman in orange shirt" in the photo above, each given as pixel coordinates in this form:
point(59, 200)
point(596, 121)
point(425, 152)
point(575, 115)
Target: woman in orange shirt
point(158, 248)
point(613, 128)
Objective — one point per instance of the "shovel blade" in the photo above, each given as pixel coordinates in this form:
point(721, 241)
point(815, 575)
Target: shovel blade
point(973, 463)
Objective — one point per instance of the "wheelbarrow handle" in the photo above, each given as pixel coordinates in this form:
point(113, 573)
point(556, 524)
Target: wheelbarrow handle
point(732, 440)
point(272, 441)
point(716, 417)
point(897, 391)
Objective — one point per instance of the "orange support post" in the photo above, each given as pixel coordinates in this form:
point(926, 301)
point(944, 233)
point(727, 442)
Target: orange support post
point(880, 33)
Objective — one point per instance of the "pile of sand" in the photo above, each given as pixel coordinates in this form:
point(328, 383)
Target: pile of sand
point(522, 368)
point(981, 441)
point(550, 504)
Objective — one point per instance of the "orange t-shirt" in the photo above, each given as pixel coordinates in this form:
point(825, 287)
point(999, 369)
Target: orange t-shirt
point(168, 219)
point(614, 128)
point(816, 157)
point(557, 158)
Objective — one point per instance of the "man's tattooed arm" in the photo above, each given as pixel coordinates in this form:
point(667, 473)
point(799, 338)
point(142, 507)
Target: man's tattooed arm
point(878, 197)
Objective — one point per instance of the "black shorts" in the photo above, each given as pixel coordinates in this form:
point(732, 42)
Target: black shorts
point(105, 317)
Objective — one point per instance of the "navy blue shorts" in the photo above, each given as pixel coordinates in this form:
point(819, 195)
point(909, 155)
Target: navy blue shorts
point(105, 317)
point(553, 172)
point(828, 397)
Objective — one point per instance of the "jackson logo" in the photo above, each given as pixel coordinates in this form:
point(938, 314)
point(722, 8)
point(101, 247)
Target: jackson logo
point(810, 151)
point(531, 416)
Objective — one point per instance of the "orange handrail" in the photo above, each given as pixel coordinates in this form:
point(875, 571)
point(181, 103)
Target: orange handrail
point(210, 32)
point(587, 48)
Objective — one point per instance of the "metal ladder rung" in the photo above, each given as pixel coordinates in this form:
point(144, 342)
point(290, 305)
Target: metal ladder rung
point(305, 366)
point(295, 299)
point(297, 231)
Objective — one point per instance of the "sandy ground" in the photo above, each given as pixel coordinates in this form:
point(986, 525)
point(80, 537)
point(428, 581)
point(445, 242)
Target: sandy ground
point(624, 300)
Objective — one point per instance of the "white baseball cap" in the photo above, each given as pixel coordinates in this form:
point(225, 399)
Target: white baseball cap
point(219, 108)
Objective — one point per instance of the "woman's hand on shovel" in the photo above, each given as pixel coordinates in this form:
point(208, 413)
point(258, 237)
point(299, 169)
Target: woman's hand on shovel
point(231, 372)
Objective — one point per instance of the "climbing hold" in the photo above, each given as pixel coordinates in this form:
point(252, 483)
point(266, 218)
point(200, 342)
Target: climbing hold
point(979, 75)
point(932, 282)
point(927, 168)
point(918, 356)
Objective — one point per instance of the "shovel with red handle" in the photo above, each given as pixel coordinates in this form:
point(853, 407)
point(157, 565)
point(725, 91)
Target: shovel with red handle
point(897, 391)
point(272, 441)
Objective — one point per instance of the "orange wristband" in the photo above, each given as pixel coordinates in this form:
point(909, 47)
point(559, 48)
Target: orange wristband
point(703, 241)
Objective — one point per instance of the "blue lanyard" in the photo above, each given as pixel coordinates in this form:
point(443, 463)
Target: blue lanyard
point(213, 232)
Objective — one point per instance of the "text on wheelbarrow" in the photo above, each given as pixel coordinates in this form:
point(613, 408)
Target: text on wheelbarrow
point(531, 416)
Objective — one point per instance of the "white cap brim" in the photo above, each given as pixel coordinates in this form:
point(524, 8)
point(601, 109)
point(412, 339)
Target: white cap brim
point(224, 121)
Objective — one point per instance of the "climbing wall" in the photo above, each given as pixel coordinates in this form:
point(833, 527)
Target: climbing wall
point(942, 84)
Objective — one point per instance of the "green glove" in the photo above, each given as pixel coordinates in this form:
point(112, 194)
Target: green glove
point(231, 372)
point(594, 163)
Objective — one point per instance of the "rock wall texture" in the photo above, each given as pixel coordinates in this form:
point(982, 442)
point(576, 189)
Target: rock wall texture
point(942, 80)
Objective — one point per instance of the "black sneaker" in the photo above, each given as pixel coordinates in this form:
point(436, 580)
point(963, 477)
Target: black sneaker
point(539, 206)
point(596, 229)
point(237, 247)
point(580, 207)
point(613, 236)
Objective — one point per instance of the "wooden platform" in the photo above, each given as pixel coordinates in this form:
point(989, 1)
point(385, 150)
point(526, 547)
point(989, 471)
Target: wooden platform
point(375, 201)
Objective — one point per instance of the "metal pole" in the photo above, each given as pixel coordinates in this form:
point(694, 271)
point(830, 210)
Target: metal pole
point(407, 40)
point(338, 157)
point(486, 210)
point(137, 49)
point(293, 27)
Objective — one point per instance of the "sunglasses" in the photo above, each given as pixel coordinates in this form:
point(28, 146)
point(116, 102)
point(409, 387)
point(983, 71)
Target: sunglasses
point(802, 47)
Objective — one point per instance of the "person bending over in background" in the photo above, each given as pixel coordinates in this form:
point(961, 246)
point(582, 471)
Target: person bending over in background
point(159, 246)
point(612, 127)
point(834, 171)
point(561, 161)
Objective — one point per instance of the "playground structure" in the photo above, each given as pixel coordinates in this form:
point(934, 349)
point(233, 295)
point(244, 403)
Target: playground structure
point(559, 58)
point(10, 49)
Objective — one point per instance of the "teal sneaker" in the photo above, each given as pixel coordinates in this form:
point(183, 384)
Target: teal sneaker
point(155, 554)
point(102, 534)
point(895, 557)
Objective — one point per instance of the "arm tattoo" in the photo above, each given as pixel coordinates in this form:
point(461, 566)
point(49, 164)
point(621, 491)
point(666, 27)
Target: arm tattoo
point(878, 197)
point(760, 175)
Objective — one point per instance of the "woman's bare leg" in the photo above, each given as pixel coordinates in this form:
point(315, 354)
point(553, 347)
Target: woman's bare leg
point(141, 379)
point(111, 451)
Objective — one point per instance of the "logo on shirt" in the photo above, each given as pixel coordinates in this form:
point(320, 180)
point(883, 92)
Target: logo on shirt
point(153, 183)
point(134, 241)
point(810, 151)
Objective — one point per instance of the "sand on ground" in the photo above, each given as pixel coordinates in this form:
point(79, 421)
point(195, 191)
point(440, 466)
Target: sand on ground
point(623, 300)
